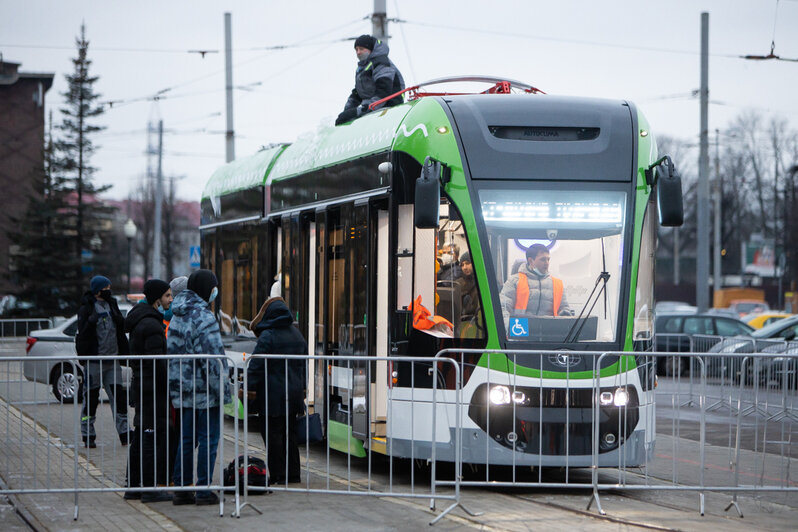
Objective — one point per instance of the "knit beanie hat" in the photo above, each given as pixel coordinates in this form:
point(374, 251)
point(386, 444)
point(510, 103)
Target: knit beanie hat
point(98, 282)
point(154, 289)
point(178, 284)
point(202, 282)
point(366, 41)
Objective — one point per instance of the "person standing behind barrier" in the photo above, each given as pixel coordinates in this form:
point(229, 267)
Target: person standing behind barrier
point(101, 333)
point(277, 334)
point(148, 464)
point(195, 384)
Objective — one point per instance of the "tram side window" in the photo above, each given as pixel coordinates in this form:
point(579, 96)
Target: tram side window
point(446, 281)
point(237, 283)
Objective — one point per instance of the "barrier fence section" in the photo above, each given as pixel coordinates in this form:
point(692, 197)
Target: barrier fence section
point(14, 328)
point(84, 446)
point(176, 441)
point(619, 425)
point(421, 418)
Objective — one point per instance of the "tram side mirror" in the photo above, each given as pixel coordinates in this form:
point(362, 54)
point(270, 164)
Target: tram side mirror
point(669, 194)
point(428, 196)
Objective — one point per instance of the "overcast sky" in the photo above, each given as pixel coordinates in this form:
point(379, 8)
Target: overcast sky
point(646, 52)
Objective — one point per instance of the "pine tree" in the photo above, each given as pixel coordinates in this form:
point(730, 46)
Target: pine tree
point(41, 269)
point(86, 215)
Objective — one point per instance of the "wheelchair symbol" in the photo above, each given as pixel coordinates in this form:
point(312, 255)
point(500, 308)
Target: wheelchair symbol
point(520, 327)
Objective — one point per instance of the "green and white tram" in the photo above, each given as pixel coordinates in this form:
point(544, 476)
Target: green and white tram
point(352, 220)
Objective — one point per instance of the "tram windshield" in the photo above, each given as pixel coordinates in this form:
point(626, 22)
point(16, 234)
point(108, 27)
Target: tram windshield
point(557, 256)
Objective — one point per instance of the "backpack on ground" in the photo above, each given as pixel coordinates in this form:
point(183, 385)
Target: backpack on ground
point(257, 475)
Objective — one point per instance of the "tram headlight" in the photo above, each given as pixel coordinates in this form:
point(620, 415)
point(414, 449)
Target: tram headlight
point(500, 395)
point(519, 398)
point(621, 397)
point(605, 398)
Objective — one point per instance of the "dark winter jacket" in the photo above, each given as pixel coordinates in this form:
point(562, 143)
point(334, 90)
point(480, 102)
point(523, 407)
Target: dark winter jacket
point(376, 77)
point(144, 324)
point(195, 382)
point(86, 338)
point(277, 335)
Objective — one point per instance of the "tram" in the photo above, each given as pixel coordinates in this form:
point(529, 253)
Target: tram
point(355, 223)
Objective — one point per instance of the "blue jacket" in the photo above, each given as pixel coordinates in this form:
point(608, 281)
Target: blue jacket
point(277, 335)
point(195, 382)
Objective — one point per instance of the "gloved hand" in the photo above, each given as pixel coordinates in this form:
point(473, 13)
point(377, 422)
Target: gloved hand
point(346, 116)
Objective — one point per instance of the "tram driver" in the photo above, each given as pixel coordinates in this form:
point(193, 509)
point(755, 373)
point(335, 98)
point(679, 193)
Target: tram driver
point(533, 291)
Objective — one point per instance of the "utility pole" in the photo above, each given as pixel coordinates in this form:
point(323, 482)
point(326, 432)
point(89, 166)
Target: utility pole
point(230, 151)
point(379, 21)
point(702, 247)
point(156, 237)
point(716, 273)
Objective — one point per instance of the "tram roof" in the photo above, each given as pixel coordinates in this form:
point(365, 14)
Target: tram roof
point(241, 174)
point(330, 145)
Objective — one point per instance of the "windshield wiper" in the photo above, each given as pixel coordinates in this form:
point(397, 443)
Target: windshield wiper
point(581, 320)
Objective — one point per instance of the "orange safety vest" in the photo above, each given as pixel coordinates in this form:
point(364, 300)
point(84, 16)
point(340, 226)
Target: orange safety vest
point(423, 319)
point(522, 293)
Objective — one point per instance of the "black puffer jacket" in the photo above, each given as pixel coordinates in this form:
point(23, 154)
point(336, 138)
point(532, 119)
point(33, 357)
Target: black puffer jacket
point(86, 338)
point(277, 335)
point(145, 326)
point(376, 77)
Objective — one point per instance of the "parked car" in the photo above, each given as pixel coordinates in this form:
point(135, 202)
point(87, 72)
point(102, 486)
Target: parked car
point(61, 376)
point(673, 306)
point(776, 337)
point(757, 321)
point(748, 306)
point(686, 331)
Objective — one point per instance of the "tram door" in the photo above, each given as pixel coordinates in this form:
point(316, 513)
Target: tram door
point(347, 280)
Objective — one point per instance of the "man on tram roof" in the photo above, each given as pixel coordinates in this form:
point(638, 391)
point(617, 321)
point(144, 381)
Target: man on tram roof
point(376, 77)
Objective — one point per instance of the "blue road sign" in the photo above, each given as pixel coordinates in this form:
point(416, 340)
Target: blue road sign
point(519, 327)
point(194, 256)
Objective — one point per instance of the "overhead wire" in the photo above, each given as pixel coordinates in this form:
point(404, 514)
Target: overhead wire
point(559, 39)
point(162, 93)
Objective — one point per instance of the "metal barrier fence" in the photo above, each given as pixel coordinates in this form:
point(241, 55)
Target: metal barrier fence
point(528, 419)
point(78, 444)
point(606, 421)
point(13, 328)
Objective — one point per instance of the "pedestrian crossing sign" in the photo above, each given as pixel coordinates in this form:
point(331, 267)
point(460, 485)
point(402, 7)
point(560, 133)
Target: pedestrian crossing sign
point(194, 256)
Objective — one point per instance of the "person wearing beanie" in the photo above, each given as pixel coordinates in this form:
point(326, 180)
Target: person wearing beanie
point(198, 387)
point(101, 333)
point(284, 380)
point(376, 77)
point(148, 464)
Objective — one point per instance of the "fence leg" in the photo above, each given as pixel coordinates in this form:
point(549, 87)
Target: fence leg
point(736, 506)
point(595, 497)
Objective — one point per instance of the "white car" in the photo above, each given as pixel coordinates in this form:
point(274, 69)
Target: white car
point(60, 342)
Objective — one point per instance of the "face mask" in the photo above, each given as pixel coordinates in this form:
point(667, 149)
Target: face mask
point(363, 56)
point(535, 270)
point(105, 294)
point(160, 308)
point(214, 293)
point(446, 259)
point(168, 314)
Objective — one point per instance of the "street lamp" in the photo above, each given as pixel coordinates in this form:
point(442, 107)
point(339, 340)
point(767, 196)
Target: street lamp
point(130, 234)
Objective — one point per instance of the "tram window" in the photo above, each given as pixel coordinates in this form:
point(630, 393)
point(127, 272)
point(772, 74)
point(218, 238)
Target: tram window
point(558, 258)
point(237, 281)
point(446, 291)
point(644, 291)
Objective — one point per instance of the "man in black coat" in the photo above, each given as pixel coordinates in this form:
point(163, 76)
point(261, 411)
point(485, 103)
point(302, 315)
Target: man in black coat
point(149, 457)
point(274, 326)
point(101, 333)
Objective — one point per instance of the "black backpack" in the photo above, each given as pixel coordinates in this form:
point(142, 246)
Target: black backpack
point(257, 474)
